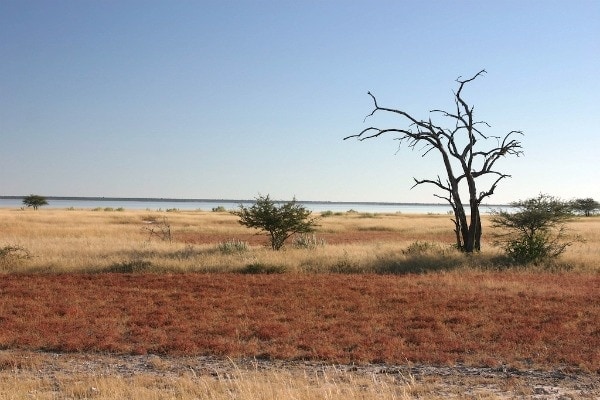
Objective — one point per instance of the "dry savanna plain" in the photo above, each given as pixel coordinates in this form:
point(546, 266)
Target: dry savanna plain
point(109, 304)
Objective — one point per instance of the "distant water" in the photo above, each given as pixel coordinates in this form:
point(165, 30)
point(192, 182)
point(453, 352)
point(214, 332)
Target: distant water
point(208, 205)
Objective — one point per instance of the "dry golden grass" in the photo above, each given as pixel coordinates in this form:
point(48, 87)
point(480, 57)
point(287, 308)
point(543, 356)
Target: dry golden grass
point(26, 375)
point(232, 382)
point(88, 241)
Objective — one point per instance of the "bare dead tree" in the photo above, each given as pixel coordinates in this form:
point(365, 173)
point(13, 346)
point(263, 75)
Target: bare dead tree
point(463, 162)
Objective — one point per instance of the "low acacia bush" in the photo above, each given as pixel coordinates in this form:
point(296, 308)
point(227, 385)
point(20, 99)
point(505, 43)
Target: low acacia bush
point(279, 222)
point(536, 230)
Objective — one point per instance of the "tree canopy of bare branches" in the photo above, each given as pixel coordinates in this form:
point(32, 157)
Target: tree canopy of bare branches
point(463, 157)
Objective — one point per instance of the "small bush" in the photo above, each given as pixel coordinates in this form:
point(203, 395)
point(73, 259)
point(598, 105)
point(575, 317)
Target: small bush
point(375, 229)
point(419, 248)
point(260, 268)
point(278, 221)
point(368, 215)
point(347, 266)
point(232, 246)
point(536, 231)
point(128, 267)
point(185, 253)
point(120, 209)
point(219, 209)
point(327, 213)
point(306, 241)
point(10, 255)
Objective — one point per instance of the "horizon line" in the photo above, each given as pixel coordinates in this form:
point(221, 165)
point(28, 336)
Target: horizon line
point(191, 200)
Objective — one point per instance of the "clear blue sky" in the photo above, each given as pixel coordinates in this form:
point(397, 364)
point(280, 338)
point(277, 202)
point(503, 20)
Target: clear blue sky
point(229, 99)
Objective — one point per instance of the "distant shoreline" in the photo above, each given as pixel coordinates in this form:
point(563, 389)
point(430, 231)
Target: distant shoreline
point(233, 201)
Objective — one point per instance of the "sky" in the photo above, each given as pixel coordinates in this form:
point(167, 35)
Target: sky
point(234, 99)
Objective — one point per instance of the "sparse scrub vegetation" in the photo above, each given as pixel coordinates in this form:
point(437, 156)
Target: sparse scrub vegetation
point(13, 255)
point(261, 268)
point(307, 241)
point(82, 240)
point(159, 228)
point(131, 266)
point(232, 246)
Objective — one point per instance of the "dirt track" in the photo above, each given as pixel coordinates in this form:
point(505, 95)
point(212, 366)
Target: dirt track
point(445, 381)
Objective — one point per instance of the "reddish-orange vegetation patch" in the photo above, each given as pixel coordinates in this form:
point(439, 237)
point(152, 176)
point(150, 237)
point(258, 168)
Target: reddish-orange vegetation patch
point(473, 318)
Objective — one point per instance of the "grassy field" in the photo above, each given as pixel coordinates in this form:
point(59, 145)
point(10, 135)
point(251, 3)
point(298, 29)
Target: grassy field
point(59, 241)
point(366, 289)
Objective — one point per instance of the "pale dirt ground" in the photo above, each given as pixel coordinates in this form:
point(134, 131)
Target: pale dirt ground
point(439, 381)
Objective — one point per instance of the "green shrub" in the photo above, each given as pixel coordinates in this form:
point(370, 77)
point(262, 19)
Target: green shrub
point(531, 249)
point(219, 209)
point(536, 230)
point(279, 222)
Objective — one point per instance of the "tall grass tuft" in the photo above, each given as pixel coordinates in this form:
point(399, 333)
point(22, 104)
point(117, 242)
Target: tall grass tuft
point(307, 241)
point(232, 246)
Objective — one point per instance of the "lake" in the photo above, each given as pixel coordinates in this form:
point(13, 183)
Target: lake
point(208, 204)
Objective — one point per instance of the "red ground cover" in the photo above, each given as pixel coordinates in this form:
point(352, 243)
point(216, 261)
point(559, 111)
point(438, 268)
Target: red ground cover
point(474, 318)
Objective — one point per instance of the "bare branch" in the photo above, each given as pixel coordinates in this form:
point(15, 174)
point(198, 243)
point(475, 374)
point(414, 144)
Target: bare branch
point(491, 190)
point(437, 183)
